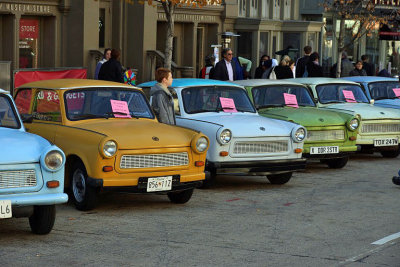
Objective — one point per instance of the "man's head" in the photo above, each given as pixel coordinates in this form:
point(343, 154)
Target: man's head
point(314, 56)
point(107, 53)
point(227, 54)
point(115, 54)
point(307, 50)
point(364, 58)
point(164, 76)
point(210, 60)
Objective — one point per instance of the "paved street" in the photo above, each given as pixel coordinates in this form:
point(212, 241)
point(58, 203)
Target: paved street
point(322, 217)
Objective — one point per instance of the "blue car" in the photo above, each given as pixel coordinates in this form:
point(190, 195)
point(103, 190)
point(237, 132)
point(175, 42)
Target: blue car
point(31, 172)
point(379, 89)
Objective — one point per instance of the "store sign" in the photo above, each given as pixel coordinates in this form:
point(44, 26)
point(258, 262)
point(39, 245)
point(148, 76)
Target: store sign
point(28, 28)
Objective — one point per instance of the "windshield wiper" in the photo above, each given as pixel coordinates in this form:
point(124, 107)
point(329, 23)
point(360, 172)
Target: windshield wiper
point(90, 116)
point(121, 113)
point(332, 101)
point(270, 106)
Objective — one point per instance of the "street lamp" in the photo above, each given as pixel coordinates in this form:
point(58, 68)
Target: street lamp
point(227, 38)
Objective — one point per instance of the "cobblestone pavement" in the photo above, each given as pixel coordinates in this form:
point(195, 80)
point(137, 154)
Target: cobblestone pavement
point(322, 217)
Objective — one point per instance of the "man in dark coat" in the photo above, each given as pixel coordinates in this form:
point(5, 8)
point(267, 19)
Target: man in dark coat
point(112, 69)
point(313, 67)
point(368, 67)
point(225, 69)
point(302, 62)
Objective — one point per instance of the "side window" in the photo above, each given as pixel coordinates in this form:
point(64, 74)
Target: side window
point(23, 100)
point(176, 101)
point(47, 106)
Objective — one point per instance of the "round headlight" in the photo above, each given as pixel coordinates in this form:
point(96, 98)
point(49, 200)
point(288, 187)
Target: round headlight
point(299, 135)
point(225, 136)
point(353, 124)
point(202, 144)
point(109, 148)
point(54, 160)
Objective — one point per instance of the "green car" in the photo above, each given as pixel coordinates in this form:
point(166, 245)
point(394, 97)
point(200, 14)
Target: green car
point(331, 135)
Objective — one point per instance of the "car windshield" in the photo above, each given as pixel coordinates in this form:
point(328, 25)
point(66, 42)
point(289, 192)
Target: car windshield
point(272, 96)
point(8, 117)
point(103, 102)
point(216, 99)
point(383, 90)
point(339, 93)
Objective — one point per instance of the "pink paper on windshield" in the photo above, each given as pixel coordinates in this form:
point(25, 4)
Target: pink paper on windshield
point(349, 96)
point(227, 104)
point(397, 92)
point(290, 100)
point(120, 106)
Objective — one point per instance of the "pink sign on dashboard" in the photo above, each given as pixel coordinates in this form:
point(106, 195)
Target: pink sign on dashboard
point(290, 100)
point(397, 92)
point(120, 106)
point(349, 96)
point(227, 104)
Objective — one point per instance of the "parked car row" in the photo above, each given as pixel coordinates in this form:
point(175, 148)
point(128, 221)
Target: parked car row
point(98, 135)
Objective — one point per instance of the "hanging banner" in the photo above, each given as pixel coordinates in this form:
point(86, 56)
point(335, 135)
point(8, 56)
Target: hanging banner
point(22, 77)
point(28, 28)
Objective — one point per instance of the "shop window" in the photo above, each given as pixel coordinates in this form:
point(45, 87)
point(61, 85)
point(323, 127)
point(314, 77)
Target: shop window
point(47, 106)
point(102, 22)
point(263, 44)
point(28, 43)
point(292, 41)
point(245, 44)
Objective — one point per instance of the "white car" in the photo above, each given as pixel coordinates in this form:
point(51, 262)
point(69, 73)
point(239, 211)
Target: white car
point(241, 141)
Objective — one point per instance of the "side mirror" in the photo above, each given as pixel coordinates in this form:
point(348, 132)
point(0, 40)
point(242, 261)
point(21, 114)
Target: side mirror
point(26, 118)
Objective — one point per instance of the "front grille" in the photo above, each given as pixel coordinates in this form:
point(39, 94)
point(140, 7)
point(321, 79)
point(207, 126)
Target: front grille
point(380, 128)
point(16, 179)
point(325, 135)
point(154, 160)
point(261, 147)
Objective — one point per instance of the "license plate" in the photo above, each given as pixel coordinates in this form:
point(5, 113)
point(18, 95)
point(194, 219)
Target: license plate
point(386, 142)
point(5, 209)
point(159, 184)
point(324, 150)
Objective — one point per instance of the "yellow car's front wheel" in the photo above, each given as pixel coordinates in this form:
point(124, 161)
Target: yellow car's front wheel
point(83, 195)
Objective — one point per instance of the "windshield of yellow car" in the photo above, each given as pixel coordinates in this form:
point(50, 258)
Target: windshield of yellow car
point(274, 96)
point(102, 102)
point(340, 93)
point(383, 90)
point(208, 99)
point(8, 116)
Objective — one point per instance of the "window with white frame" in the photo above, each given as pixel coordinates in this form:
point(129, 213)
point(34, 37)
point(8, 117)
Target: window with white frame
point(287, 9)
point(242, 8)
point(265, 8)
point(276, 9)
point(253, 8)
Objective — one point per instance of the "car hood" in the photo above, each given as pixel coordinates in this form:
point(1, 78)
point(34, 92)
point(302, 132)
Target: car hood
point(367, 111)
point(21, 147)
point(307, 116)
point(388, 103)
point(140, 133)
point(248, 124)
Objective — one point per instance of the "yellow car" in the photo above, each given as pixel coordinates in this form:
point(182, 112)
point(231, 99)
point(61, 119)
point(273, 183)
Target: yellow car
point(112, 139)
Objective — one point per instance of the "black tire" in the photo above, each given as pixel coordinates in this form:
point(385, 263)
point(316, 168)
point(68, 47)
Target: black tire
point(83, 195)
point(180, 197)
point(210, 180)
point(42, 220)
point(337, 163)
point(282, 178)
point(390, 153)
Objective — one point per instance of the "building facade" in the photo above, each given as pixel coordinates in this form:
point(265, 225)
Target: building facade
point(74, 33)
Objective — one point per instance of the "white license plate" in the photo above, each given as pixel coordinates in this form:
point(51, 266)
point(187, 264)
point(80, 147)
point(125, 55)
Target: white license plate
point(5, 209)
point(159, 184)
point(324, 150)
point(386, 142)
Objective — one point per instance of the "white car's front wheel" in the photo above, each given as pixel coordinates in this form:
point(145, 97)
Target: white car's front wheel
point(282, 178)
point(43, 218)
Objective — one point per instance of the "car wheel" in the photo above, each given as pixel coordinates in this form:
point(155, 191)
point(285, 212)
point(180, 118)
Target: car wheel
point(83, 195)
point(180, 197)
point(337, 163)
point(42, 219)
point(390, 153)
point(210, 179)
point(282, 178)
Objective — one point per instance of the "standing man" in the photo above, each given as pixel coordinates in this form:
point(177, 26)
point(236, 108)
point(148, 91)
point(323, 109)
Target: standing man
point(106, 57)
point(302, 62)
point(112, 69)
point(225, 69)
point(369, 68)
point(161, 99)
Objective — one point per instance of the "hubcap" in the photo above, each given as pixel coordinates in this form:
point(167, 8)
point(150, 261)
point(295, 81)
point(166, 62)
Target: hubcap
point(78, 185)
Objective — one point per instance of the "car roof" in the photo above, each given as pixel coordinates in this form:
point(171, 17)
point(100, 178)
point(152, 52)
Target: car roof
point(182, 82)
point(74, 83)
point(320, 80)
point(370, 79)
point(260, 82)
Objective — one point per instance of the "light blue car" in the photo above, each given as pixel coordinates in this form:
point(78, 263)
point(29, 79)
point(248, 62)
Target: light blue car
point(31, 172)
point(380, 89)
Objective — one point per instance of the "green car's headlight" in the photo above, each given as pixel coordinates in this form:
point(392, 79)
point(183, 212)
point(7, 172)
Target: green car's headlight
point(353, 124)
